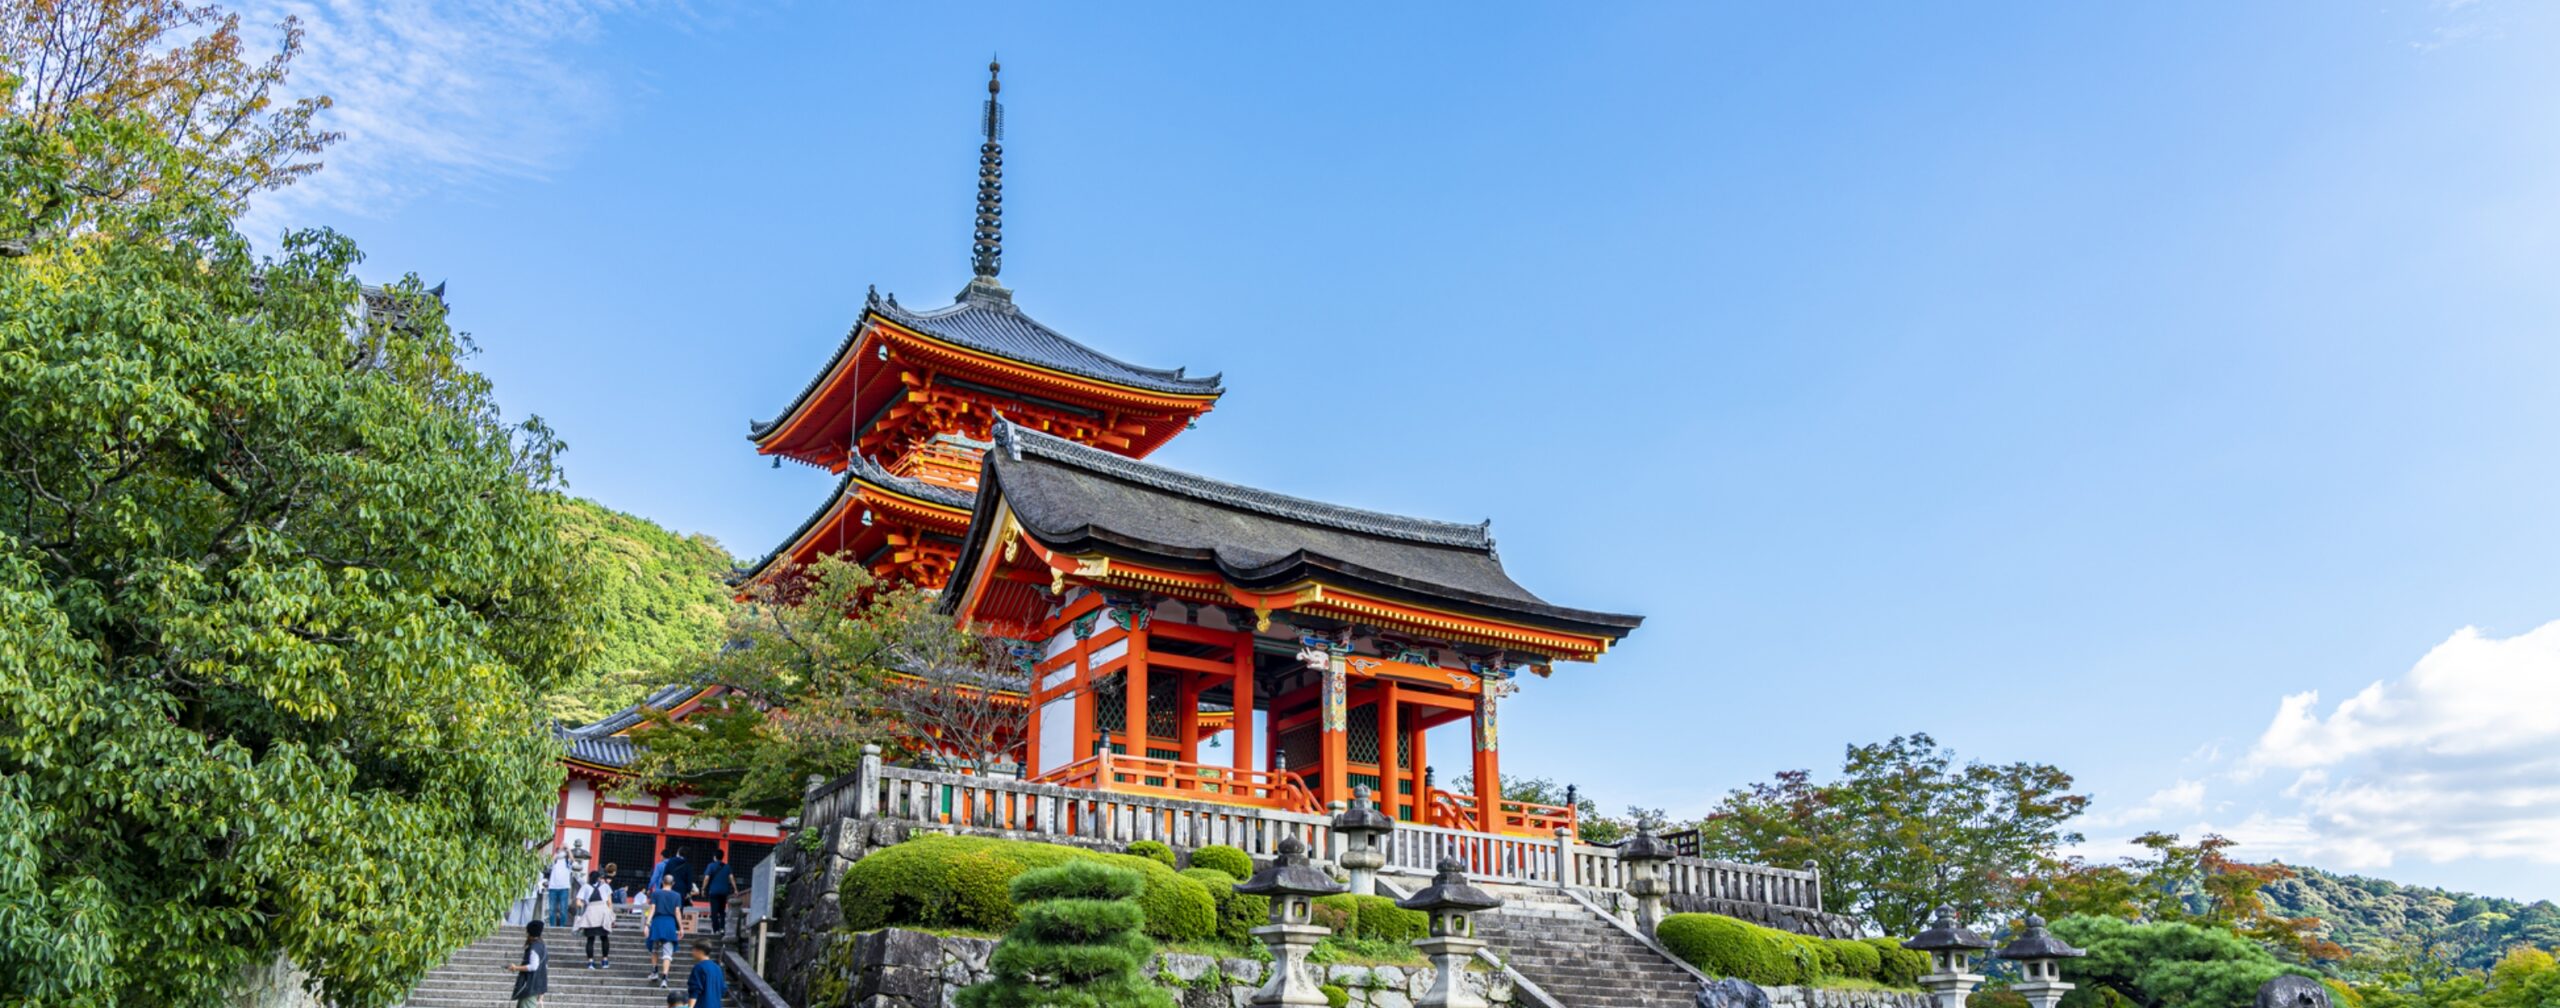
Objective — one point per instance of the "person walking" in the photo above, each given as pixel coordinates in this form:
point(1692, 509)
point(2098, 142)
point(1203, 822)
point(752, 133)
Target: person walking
point(595, 921)
point(532, 969)
point(708, 982)
point(680, 872)
point(559, 878)
point(716, 887)
point(666, 927)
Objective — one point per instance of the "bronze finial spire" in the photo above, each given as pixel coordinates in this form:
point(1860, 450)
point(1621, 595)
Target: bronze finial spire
point(987, 253)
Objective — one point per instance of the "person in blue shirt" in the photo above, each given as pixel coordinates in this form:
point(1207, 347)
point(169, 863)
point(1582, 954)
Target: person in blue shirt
point(708, 982)
point(666, 927)
point(679, 872)
point(716, 887)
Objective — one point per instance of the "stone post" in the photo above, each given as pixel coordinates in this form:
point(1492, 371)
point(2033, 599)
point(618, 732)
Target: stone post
point(866, 785)
point(1816, 868)
point(1450, 899)
point(1292, 882)
point(1566, 877)
point(1951, 947)
point(1645, 854)
point(1359, 831)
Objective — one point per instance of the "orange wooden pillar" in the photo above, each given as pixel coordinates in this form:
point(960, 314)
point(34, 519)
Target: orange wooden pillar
point(1335, 734)
point(1244, 701)
point(1031, 725)
point(1186, 712)
point(1390, 744)
point(1421, 760)
point(1488, 769)
point(1134, 734)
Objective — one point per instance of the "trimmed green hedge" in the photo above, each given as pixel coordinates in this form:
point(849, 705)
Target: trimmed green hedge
point(1375, 918)
point(1238, 913)
point(955, 881)
point(1153, 851)
point(1857, 960)
point(1726, 947)
point(1897, 966)
point(1231, 860)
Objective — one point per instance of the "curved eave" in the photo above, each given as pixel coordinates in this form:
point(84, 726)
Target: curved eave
point(860, 487)
point(1095, 391)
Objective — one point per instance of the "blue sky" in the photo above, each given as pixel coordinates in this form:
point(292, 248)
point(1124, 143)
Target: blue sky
point(2162, 391)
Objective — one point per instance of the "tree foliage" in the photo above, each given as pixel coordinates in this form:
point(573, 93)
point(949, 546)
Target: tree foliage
point(810, 676)
point(1903, 829)
point(278, 593)
point(665, 606)
point(182, 72)
point(2165, 964)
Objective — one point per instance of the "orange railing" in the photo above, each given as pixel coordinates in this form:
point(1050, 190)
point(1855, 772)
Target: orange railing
point(1124, 774)
point(1451, 810)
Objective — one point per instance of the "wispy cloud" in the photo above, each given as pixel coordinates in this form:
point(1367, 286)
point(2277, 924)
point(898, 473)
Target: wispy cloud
point(436, 95)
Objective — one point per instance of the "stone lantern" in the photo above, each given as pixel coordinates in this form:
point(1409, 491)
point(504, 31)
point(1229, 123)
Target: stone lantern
point(1951, 947)
point(2039, 956)
point(1362, 831)
point(1645, 855)
point(1449, 900)
point(1292, 882)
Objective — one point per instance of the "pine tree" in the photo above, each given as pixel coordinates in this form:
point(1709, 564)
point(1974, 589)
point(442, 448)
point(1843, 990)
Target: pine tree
point(1075, 944)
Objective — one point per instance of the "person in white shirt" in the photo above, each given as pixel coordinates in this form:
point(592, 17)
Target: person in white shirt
point(595, 920)
point(559, 878)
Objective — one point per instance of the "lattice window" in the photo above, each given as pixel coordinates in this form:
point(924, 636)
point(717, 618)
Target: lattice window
point(1299, 744)
point(1163, 720)
point(1363, 742)
point(1111, 710)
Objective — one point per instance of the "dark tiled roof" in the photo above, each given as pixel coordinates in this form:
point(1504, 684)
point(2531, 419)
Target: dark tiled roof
point(866, 471)
point(603, 743)
point(988, 322)
point(1078, 499)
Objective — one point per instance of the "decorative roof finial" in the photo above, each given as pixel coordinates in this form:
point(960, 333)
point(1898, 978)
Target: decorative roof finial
point(987, 251)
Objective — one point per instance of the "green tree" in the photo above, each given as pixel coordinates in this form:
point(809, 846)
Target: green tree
point(1076, 944)
point(1903, 829)
point(817, 666)
point(278, 594)
point(2165, 964)
point(173, 68)
point(665, 607)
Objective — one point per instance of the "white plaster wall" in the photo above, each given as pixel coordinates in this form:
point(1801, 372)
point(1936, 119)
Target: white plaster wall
point(1057, 732)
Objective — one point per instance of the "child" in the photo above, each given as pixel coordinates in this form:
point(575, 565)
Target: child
point(708, 982)
point(533, 971)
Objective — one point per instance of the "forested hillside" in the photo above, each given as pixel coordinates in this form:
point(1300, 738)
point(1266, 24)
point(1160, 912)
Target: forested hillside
point(664, 606)
point(2381, 918)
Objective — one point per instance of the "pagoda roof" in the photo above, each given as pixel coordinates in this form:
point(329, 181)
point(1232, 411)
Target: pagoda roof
point(858, 471)
point(984, 319)
point(1076, 499)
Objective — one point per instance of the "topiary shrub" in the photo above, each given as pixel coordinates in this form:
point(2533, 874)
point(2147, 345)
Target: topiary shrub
point(1725, 947)
point(1335, 996)
point(1238, 913)
point(1152, 851)
point(1227, 859)
point(1813, 957)
point(1857, 960)
point(1077, 943)
point(1897, 966)
point(955, 881)
point(1372, 918)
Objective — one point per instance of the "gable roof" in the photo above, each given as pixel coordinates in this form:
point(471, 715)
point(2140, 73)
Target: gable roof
point(1076, 499)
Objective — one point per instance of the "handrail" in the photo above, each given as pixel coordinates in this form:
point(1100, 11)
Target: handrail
point(1121, 773)
point(1458, 811)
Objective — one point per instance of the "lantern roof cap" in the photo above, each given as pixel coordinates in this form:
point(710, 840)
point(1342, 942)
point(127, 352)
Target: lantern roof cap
point(1362, 815)
point(1450, 890)
point(1644, 846)
point(1290, 874)
point(2034, 942)
point(1945, 935)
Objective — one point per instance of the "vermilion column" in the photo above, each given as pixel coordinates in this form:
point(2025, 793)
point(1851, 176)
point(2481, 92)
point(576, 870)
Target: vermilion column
point(1244, 701)
point(1335, 733)
point(1489, 756)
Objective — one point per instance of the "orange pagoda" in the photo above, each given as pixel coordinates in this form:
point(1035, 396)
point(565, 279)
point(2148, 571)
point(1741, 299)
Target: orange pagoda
point(996, 460)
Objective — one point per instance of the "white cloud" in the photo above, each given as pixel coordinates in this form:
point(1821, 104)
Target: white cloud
point(433, 95)
point(2458, 759)
point(2186, 797)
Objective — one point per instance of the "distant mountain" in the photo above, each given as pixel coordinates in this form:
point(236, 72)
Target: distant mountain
point(2377, 916)
point(665, 606)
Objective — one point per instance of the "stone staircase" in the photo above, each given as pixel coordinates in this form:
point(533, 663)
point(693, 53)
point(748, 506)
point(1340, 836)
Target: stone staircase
point(477, 976)
point(1578, 957)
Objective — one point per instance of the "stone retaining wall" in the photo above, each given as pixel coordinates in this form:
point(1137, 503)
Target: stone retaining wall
point(898, 968)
